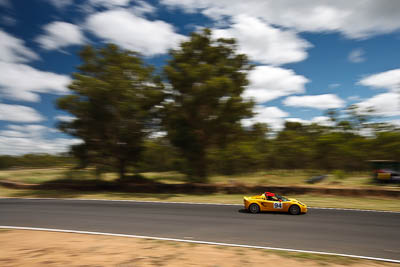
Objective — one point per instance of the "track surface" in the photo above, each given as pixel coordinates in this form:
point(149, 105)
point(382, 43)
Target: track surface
point(372, 234)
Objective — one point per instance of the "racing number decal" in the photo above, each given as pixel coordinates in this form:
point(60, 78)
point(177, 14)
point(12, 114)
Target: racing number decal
point(277, 205)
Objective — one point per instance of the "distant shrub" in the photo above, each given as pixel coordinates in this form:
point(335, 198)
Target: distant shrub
point(339, 174)
point(35, 161)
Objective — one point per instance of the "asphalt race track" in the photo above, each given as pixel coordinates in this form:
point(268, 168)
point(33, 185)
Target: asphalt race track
point(372, 234)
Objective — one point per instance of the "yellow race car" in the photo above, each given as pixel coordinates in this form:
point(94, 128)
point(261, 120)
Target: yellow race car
point(274, 202)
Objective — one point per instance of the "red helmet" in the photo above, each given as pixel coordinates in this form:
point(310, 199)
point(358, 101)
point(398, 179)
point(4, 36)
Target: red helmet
point(269, 194)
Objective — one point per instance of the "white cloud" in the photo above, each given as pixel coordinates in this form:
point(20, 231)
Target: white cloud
point(11, 133)
point(34, 81)
point(18, 113)
point(263, 42)
point(22, 139)
point(388, 80)
point(64, 118)
point(395, 123)
point(142, 8)
point(321, 120)
point(60, 34)
point(14, 50)
point(268, 83)
point(353, 19)
point(133, 32)
point(297, 120)
point(273, 116)
point(325, 101)
point(387, 104)
point(22, 82)
point(30, 130)
point(357, 55)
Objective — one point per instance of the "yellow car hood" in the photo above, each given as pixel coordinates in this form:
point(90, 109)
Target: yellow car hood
point(293, 200)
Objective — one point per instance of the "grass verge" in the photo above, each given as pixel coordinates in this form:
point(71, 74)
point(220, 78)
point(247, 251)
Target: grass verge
point(323, 201)
point(270, 177)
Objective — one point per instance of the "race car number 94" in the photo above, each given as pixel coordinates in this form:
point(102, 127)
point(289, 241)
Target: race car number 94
point(277, 205)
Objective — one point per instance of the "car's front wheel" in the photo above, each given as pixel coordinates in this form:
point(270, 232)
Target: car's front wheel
point(294, 210)
point(254, 208)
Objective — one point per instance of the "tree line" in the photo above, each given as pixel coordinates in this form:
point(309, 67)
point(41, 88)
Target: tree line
point(297, 146)
point(188, 117)
point(35, 161)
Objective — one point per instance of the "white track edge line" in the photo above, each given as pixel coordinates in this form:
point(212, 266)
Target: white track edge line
point(177, 202)
point(198, 242)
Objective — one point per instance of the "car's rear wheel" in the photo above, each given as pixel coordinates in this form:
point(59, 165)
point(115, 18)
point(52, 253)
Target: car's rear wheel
point(254, 208)
point(294, 210)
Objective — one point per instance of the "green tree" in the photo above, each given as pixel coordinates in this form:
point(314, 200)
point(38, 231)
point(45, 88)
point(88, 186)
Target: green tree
point(249, 152)
point(159, 156)
point(386, 145)
point(205, 106)
point(114, 99)
point(292, 147)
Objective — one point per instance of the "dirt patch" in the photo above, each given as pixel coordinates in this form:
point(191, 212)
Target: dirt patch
point(38, 248)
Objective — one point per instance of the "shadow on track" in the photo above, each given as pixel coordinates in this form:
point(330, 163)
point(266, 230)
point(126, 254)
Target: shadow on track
point(266, 212)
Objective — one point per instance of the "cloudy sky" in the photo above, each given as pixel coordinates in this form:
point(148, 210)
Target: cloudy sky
point(310, 55)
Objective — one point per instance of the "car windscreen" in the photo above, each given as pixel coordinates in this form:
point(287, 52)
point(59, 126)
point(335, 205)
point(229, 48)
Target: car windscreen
point(281, 197)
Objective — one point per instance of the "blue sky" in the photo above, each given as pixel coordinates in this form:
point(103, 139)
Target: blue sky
point(310, 55)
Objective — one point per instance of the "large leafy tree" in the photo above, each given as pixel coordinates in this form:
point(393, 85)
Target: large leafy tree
point(114, 99)
point(204, 108)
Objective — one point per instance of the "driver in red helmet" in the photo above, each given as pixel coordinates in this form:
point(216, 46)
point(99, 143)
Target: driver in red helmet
point(270, 196)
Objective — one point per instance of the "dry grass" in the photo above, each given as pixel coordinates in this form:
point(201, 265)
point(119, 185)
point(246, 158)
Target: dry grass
point(299, 177)
point(32, 176)
point(324, 201)
point(272, 177)
point(276, 177)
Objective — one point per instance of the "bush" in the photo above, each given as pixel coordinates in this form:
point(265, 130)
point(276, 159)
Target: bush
point(339, 174)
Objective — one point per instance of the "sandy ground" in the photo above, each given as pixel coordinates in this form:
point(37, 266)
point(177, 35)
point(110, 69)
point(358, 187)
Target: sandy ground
point(37, 248)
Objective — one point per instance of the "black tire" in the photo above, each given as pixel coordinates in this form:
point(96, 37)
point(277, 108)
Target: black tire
point(294, 210)
point(254, 208)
